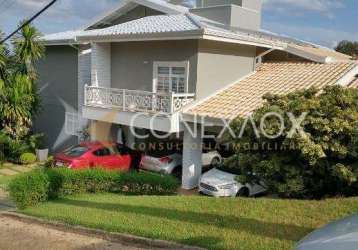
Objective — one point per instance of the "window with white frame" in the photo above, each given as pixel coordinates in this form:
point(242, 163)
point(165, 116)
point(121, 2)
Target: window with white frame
point(170, 77)
point(72, 124)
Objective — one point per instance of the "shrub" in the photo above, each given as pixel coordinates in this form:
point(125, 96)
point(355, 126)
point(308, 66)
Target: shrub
point(41, 185)
point(50, 162)
point(68, 182)
point(11, 148)
point(29, 189)
point(27, 158)
point(321, 162)
point(141, 183)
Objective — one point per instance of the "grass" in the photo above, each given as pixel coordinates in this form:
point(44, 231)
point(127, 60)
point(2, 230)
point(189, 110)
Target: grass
point(4, 180)
point(201, 221)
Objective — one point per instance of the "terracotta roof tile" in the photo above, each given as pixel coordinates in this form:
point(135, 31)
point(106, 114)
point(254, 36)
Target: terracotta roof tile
point(245, 96)
point(354, 83)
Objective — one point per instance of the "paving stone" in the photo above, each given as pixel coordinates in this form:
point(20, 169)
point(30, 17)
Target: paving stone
point(7, 172)
point(21, 169)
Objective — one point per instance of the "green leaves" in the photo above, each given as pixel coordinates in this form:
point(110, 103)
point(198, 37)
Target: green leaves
point(19, 100)
point(323, 162)
point(28, 49)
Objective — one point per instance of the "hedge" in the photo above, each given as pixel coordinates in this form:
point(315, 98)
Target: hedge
point(41, 185)
point(29, 189)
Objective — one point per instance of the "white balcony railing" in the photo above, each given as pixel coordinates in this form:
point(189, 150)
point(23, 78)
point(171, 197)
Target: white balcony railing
point(136, 100)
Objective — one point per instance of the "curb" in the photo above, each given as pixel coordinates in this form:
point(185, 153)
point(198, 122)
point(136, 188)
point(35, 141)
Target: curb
point(125, 239)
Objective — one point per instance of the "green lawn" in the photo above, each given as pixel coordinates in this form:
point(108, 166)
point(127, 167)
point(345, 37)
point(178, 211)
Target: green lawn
point(197, 220)
point(4, 180)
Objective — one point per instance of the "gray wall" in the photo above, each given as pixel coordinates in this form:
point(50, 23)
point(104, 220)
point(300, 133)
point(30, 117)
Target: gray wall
point(251, 4)
point(58, 79)
point(213, 65)
point(231, 15)
point(132, 62)
point(221, 64)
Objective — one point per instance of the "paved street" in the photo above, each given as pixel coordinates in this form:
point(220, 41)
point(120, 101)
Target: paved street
point(19, 235)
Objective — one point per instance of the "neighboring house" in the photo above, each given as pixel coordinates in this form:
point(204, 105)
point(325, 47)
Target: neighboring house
point(174, 63)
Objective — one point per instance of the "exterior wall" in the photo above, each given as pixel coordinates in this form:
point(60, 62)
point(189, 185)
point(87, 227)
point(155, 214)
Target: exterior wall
point(132, 62)
point(221, 14)
point(84, 73)
point(101, 64)
point(232, 15)
point(207, 3)
point(250, 4)
point(221, 64)
point(59, 92)
point(245, 18)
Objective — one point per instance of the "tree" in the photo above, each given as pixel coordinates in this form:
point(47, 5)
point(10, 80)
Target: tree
point(28, 49)
point(19, 100)
point(348, 48)
point(318, 161)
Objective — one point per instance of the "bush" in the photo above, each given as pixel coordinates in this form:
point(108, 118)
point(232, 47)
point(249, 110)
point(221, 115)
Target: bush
point(323, 161)
point(11, 148)
point(68, 182)
point(50, 162)
point(27, 158)
point(41, 185)
point(140, 183)
point(29, 189)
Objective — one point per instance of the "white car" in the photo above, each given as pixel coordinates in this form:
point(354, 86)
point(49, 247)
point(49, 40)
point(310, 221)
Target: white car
point(221, 182)
point(172, 163)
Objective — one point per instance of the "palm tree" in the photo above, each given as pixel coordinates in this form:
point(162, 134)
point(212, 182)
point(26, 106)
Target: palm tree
point(3, 58)
point(16, 106)
point(28, 49)
point(19, 99)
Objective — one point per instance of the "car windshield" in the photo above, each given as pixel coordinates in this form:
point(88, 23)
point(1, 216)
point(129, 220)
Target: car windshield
point(226, 169)
point(76, 151)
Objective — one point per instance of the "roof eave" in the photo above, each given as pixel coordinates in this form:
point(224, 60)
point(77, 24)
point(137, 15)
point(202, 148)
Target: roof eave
point(307, 55)
point(182, 35)
point(347, 78)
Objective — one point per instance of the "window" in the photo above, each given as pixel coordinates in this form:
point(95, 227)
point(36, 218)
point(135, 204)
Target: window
point(102, 152)
point(72, 124)
point(76, 151)
point(170, 77)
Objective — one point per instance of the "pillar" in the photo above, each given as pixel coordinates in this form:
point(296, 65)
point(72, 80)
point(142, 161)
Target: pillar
point(192, 156)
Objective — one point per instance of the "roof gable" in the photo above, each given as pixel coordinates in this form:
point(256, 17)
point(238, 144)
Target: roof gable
point(126, 6)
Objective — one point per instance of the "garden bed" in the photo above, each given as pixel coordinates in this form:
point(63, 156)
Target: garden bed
point(202, 221)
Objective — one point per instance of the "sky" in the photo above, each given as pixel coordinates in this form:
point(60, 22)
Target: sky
point(324, 22)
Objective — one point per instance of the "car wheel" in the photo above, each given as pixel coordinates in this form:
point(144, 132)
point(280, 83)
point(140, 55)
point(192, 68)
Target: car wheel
point(243, 192)
point(215, 162)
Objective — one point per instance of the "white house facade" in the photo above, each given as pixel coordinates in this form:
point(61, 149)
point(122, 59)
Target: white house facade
point(159, 65)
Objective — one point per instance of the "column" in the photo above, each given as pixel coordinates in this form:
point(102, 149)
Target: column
point(192, 156)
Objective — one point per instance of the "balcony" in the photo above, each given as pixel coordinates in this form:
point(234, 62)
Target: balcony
point(135, 100)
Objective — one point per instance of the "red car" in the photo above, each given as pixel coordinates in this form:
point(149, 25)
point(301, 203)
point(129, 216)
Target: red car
point(110, 156)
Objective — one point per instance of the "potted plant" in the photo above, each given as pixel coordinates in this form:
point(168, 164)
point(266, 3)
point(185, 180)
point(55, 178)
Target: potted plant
point(37, 142)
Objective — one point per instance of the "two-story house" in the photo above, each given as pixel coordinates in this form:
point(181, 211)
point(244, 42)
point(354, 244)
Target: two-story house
point(155, 64)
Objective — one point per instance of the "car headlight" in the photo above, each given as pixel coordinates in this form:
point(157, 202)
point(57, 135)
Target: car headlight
point(227, 186)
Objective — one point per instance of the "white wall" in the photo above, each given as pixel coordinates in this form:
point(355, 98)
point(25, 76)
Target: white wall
point(101, 64)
